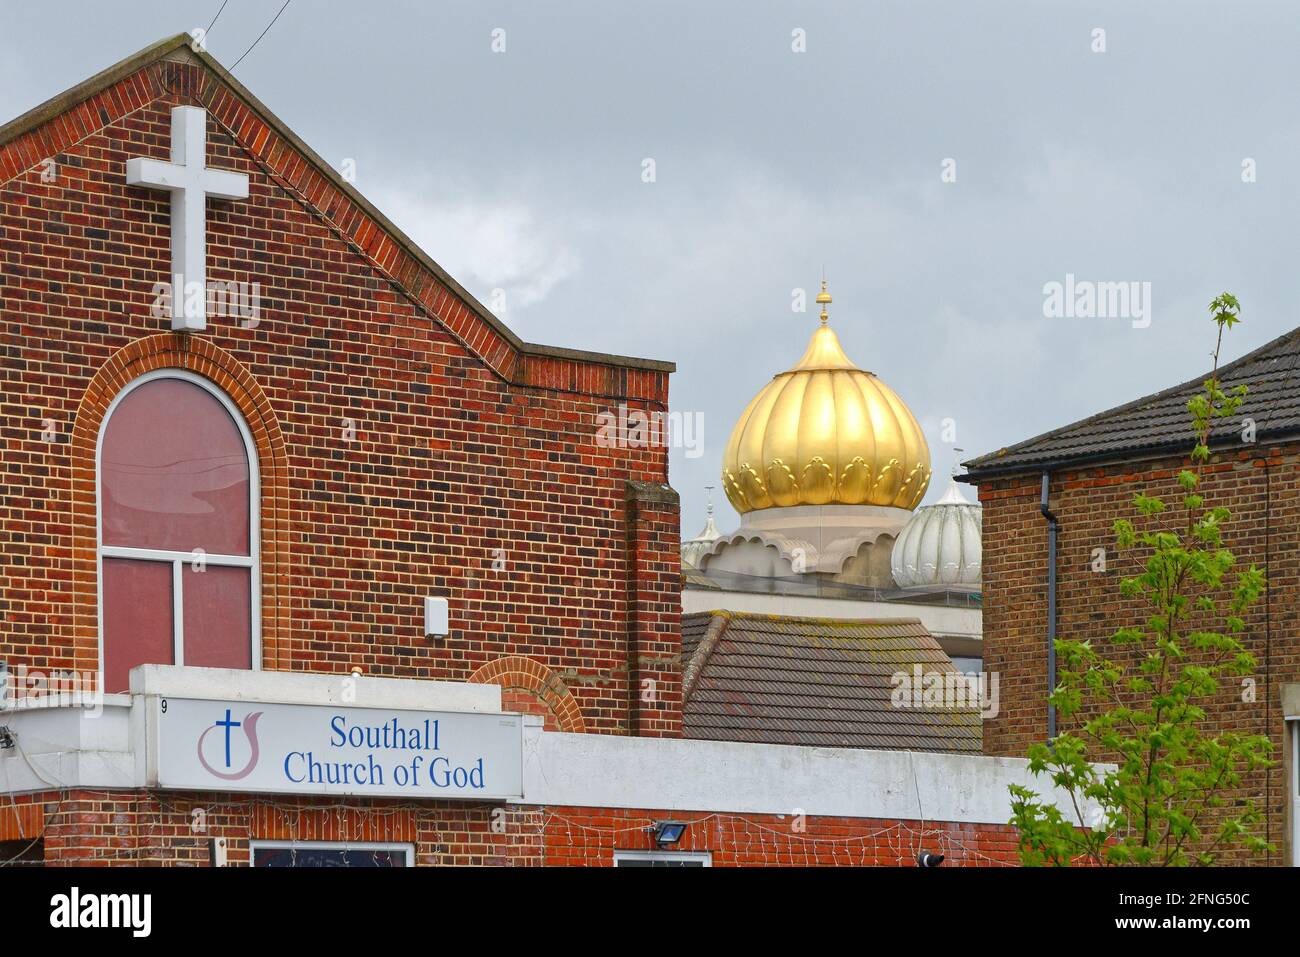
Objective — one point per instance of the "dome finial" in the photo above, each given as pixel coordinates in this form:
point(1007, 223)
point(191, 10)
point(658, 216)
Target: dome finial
point(694, 549)
point(836, 436)
point(824, 298)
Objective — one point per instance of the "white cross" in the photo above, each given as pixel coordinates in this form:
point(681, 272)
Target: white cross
point(190, 182)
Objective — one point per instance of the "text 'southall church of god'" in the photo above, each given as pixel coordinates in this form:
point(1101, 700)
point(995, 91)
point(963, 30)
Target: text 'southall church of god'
point(347, 577)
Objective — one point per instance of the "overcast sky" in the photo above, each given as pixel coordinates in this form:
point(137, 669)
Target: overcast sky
point(522, 171)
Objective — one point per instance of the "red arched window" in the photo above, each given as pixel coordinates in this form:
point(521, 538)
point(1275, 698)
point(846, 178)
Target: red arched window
point(178, 535)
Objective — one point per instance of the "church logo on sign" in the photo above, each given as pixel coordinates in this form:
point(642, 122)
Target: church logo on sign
point(226, 725)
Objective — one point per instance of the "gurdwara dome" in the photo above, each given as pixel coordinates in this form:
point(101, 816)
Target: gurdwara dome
point(826, 432)
point(693, 548)
point(940, 546)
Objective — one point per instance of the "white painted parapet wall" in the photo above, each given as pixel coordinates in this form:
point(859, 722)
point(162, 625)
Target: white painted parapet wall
point(592, 770)
point(941, 620)
point(296, 687)
point(71, 747)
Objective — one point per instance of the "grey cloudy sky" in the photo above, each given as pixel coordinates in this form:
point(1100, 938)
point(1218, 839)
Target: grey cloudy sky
point(522, 171)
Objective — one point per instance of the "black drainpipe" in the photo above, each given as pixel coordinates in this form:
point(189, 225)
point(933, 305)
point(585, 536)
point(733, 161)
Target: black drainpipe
point(1052, 526)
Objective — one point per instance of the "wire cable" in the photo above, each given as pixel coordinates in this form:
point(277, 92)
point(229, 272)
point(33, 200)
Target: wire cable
point(259, 39)
point(215, 19)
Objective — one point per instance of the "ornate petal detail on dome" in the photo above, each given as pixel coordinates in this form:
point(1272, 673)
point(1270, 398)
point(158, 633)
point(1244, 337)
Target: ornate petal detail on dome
point(735, 494)
point(887, 482)
point(817, 482)
point(826, 433)
point(913, 490)
point(855, 481)
point(750, 486)
point(782, 486)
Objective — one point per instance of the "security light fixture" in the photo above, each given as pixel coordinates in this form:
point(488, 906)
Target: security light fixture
point(668, 833)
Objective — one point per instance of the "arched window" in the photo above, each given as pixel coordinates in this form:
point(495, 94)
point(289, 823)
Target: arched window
point(178, 529)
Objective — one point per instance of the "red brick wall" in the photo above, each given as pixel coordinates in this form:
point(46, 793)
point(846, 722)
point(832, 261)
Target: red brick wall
point(655, 629)
point(1087, 502)
point(149, 828)
point(588, 837)
point(152, 828)
point(466, 448)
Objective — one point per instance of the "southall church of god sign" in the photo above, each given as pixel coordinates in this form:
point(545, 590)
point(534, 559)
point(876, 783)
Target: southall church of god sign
point(307, 558)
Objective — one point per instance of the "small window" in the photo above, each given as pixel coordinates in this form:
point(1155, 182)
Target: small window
point(662, 859)
point(178, 529)
point(325, 854)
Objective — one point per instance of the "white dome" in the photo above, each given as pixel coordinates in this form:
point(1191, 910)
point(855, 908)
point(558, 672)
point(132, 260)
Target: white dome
point(693, 549)
point(940, 547)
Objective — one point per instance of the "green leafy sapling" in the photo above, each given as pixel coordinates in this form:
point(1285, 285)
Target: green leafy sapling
point(1167, 798)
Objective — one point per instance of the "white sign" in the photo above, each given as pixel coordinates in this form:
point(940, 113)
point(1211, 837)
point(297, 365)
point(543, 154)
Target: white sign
point(190, 182)
point(318, 749)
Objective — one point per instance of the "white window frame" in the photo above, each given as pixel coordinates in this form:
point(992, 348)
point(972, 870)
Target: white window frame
point(255, 846)
point(251, 561)
point(704, 857)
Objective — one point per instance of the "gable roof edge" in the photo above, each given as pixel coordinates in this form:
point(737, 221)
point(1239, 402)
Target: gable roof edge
point(986, 466)
point(68, 99)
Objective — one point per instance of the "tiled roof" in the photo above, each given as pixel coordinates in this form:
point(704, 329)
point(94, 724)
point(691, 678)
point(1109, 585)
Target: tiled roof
point(1160, 423)
point(814, 681)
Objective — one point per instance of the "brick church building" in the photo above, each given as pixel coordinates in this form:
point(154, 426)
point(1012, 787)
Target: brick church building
point(326, 564)
point(1082, 477)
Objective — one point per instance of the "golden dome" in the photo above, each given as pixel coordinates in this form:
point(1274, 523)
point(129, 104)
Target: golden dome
point(826, 432)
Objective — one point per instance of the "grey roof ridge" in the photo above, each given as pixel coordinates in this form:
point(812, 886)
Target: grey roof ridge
point(718, 623)
point(820, 619)
point(987, 463)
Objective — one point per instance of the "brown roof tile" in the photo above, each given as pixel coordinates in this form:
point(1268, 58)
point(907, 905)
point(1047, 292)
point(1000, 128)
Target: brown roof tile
point(814, 681)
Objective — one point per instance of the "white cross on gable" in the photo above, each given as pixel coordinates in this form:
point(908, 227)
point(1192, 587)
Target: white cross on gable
point(190, 182)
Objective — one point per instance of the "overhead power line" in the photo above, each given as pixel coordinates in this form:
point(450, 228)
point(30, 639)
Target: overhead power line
point(259, 39)
point(216, 18)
